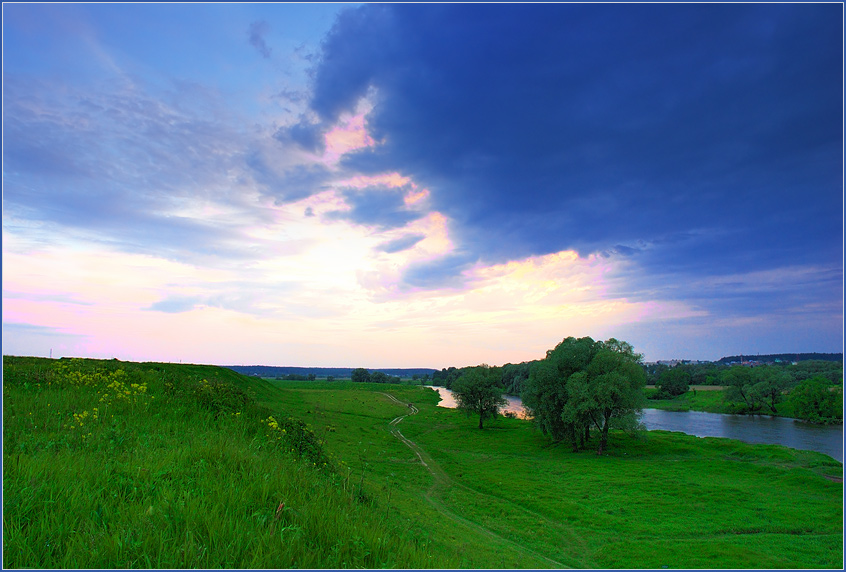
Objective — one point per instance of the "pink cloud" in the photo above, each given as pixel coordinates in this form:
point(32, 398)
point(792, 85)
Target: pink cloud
point(348, 136)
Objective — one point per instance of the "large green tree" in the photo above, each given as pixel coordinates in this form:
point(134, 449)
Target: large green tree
point(770, 384)
point(477, 391)
point(545, 391)
point(608, 392)
point(739, 393)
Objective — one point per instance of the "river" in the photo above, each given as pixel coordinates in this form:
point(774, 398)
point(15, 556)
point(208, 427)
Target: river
point(792, 433)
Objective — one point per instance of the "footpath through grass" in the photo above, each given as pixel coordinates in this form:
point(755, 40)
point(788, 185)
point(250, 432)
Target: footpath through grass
point(506, 497)
point(110, 464)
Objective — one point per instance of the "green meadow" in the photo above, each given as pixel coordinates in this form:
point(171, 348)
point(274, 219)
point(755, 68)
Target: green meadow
point(708, 399)
point(195, 466)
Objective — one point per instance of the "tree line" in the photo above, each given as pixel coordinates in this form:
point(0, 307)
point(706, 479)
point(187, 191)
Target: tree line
point(363, 375)
point(710, 373)
point(583, 385)
point(762, 389)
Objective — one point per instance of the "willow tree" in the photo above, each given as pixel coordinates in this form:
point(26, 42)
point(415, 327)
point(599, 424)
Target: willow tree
point(609, 391)
point(545, 392)
point(477, 391)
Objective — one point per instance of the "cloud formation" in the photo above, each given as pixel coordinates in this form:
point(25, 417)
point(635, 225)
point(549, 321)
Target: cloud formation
point(541, 128)
point(477, 180)
point(258, 30)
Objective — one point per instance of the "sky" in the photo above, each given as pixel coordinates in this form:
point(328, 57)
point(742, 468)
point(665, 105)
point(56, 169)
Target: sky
point(420, 185)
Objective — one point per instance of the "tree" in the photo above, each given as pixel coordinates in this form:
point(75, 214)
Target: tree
point(477, 391)
point(446, 377)
point(814, 401)
point(545, 391)
point(609, 391)
point(769, 385)
point(654, 371)
point(360, 375)
point(739, 383)
point(514, 377)
point(379, 377)
point(673, 382)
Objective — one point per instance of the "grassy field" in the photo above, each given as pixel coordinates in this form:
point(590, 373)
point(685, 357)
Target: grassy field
point(192, 466)
point(704, 398)
point(667, 500)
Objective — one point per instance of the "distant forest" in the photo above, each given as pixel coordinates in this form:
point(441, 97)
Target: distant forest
point(338, 372)
point(516, 371)
point(782, 357)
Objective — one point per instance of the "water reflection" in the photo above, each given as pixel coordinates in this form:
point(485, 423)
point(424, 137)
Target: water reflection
point(514, 406)
point(749, 428)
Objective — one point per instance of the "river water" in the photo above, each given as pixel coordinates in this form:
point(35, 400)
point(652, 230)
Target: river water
point(792, 433)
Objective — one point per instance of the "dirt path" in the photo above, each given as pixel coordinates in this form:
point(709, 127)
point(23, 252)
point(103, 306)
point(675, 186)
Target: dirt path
point(442, 481)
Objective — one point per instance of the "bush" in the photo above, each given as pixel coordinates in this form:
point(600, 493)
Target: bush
point(674, 382)
point(813, 400)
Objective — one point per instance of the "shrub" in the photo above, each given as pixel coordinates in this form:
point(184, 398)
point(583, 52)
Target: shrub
point(814, 401)
point(674, 382)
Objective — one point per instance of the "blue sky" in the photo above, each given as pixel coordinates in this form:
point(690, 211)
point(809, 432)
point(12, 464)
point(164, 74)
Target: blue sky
point(421, 185)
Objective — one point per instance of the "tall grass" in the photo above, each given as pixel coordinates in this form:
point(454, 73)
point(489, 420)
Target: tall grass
point(118, 465)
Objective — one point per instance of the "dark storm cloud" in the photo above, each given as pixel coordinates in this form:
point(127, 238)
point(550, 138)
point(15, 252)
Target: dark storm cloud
point(258, 30)
point(603, 127)
point(382, 208)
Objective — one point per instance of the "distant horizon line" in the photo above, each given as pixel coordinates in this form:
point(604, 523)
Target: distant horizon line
point(321, 367)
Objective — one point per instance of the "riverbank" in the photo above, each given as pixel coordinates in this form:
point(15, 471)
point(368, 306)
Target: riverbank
point(708, 400)
point(693, 420)
point(505, 497)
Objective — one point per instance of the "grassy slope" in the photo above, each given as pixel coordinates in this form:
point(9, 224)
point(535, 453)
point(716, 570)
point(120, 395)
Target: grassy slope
point(670, 499)
point(173, 472)
point(168, 482)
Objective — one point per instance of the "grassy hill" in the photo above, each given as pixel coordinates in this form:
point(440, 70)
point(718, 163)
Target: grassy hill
point(111, 464)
